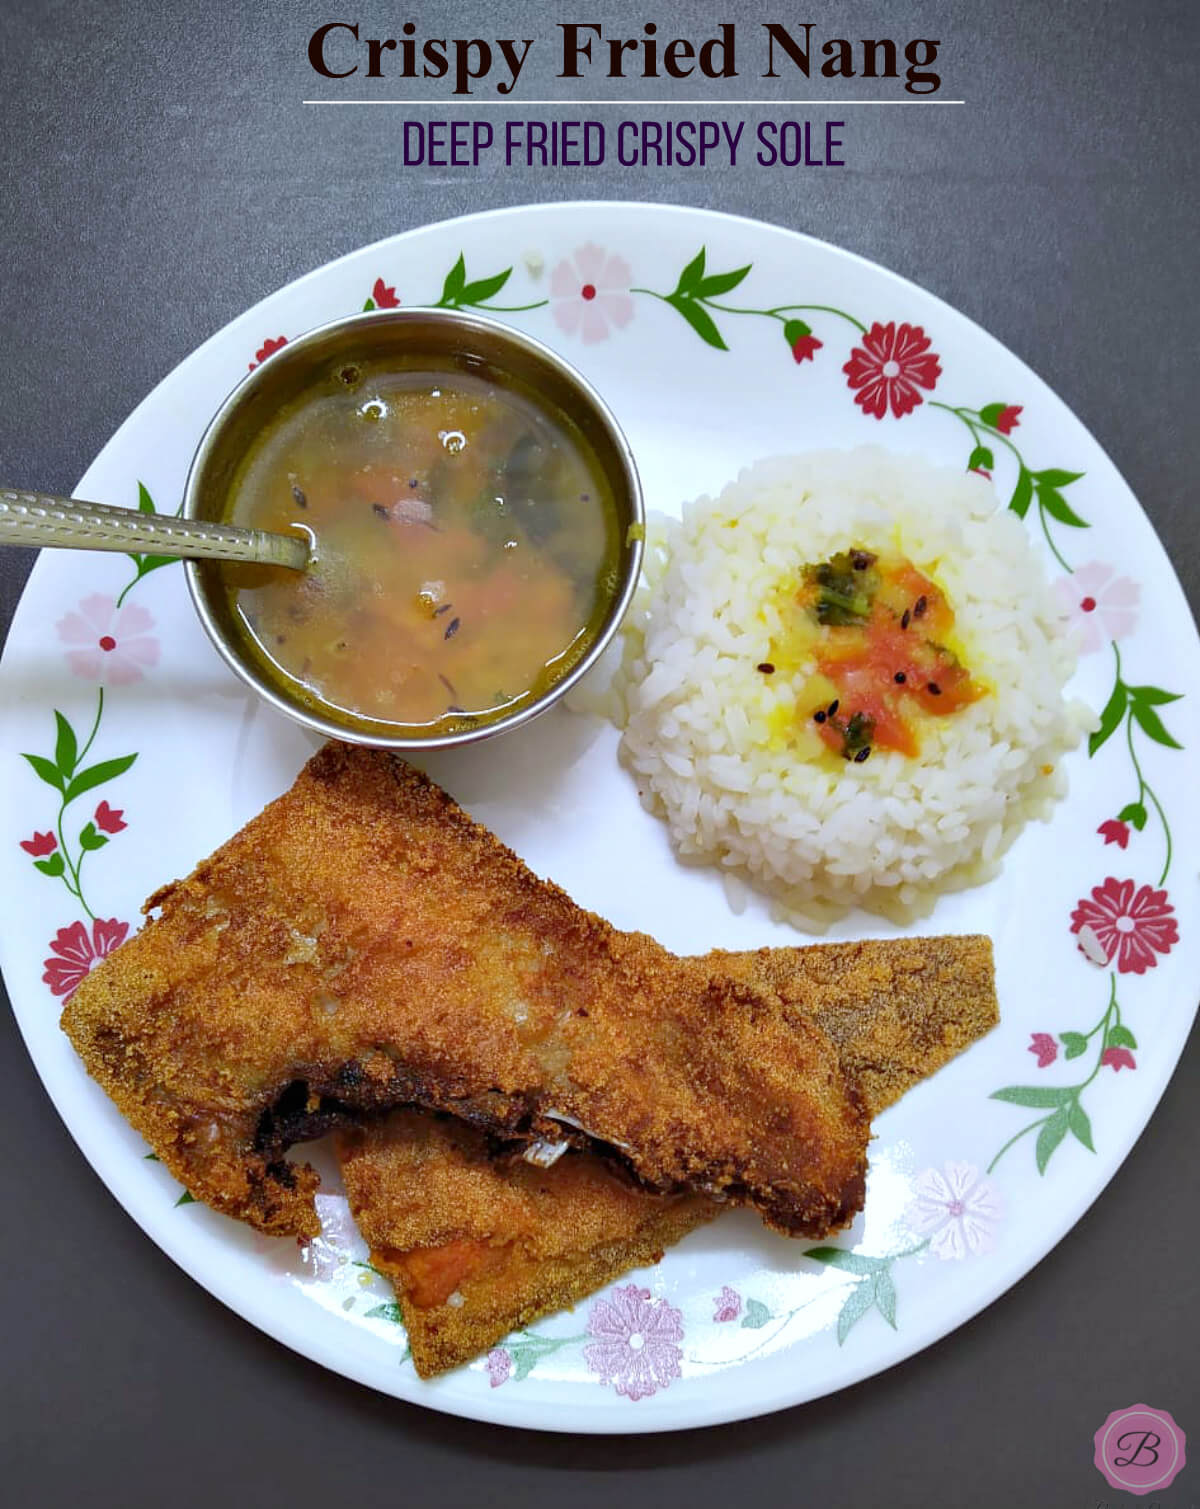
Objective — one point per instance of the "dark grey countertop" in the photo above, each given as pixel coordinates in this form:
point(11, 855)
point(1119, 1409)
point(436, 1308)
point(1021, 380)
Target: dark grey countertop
point(160, 175)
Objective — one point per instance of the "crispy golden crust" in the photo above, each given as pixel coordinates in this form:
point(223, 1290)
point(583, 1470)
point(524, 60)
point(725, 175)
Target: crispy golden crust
point(512, 1242)
point(362, 944)
point(478, 1246)
point(897, 1009)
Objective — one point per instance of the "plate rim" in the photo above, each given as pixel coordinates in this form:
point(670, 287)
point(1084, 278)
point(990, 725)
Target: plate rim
point(670, 1412)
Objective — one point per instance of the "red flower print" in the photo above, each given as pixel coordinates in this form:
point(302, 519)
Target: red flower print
point(801, 342)
point(1114, 831)
point(1007, 420)
point(268, 348)
point(109, 819)
point(1118, 1058)
point(385, 297)
point(499, 1366)
point(1129, 923)
point(76, 952)
point(982, 471)
point(888, 368)
point(40, 844)
point(1044, 1047)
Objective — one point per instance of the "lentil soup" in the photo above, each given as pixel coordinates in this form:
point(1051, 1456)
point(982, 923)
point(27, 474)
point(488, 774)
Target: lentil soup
point(465, 548)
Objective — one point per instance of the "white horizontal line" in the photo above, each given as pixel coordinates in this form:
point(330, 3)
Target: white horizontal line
point(467, 104)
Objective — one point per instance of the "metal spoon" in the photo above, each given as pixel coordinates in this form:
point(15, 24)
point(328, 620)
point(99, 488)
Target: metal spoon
point(67, 523)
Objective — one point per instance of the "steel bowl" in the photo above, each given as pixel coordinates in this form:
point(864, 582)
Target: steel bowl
point(469, 343)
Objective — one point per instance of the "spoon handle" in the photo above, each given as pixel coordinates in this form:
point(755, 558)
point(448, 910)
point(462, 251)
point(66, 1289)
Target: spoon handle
point(44, 519)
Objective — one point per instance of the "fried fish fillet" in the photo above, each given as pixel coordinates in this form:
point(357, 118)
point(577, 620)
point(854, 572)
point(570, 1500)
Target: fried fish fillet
point(478, 1243)
point(362, 945)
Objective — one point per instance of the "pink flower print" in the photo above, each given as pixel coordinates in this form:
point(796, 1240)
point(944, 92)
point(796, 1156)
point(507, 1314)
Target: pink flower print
point(589, 292)
point(727, 1305)
point(1118, 1058)
point(75, 952)
point(1129, 923)
point(958, 1209)
point(499, 1366)
point(1043, 1046)
point(113, 644)
point(385, 297)
point(1098, 604)
point(635, 1347)
point(40, 844)
point(110, 819)
point(1114, 831)
point(1008, 418)
point(268, 348)
point(889, 367)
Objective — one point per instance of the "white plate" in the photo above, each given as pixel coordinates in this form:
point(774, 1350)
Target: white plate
point(734, 1321)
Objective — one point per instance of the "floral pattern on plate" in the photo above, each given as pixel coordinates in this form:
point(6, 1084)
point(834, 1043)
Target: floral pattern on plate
point(889, 366)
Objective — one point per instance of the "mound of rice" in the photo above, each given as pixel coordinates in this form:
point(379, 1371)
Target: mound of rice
point(701, 723)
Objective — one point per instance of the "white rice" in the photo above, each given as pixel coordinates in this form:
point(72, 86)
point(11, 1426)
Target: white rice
point(701, 724)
